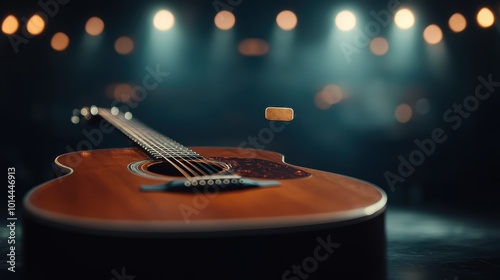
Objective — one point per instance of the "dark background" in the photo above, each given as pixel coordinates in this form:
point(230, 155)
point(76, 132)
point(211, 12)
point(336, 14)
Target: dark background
point(216, 97)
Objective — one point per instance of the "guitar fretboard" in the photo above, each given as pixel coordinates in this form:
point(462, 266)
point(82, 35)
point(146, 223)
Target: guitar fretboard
point(155, 144)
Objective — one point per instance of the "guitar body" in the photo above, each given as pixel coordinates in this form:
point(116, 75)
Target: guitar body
point(99, 221)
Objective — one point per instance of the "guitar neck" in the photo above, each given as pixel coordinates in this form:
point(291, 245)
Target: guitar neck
point(156, 145)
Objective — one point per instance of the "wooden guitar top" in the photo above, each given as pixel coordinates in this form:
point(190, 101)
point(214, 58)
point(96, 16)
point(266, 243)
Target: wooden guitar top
point(102, 193)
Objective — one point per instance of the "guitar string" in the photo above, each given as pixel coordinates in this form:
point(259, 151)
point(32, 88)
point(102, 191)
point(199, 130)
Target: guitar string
point(194, 160)
point(208, 166)
point(197, 161)
point(111, 118)
point(187, 156)
point(153, 148)
point(156, 139)
point(190, 157)
point(134, 137)
point(168, 145)
point(138, 126)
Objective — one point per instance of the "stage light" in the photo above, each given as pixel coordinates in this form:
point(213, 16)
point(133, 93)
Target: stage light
point(164, 20)
point(404, 18)
point(282, 38)
point(124, 45)
point(165, 38)
point(59, 41)
point(403, 113)
point(94, 26)
point(286, 20)
point(485, 18)
point(405, 39)
point(224, 20)
point(345, 20)
point(457, 23)
point(379, 46)
point(35, 25)
point(253, 47)
point(433, 34)
point(328, 96)
point(10, 25)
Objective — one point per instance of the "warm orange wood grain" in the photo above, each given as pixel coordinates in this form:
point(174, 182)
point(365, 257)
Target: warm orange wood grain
point(102, 190)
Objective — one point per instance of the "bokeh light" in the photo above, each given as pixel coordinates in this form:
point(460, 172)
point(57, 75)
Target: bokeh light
point(404, 19)
point(59, 41)
point(253, 47)
point(485, 18)
point(328, 96)
point(75, 119)
point(224, 20)
point(286, 20)
point(84, 112)
point(121, 92)
point(379, 46)
point(403, 113)
point(94, 110)
point(457, 23)
point(345, 20)
point(124, 45)
point(433, 34)
point(127, 115)
point(94, 26)
point(35, 25)
point(10, 25)
point(164, 20)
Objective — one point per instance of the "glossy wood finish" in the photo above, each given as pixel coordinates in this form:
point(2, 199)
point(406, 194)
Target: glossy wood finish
point(100, 192)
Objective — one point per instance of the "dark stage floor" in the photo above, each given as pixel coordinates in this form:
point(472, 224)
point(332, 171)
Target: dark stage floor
point(428, 243)
point(423, 243)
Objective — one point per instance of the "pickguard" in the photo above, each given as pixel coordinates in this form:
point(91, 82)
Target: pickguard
point(260, 168)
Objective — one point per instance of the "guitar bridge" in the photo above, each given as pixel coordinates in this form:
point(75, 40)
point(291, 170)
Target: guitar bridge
point(209, 184)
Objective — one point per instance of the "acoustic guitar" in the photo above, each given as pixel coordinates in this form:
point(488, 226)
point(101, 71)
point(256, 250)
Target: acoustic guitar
point(161, 210)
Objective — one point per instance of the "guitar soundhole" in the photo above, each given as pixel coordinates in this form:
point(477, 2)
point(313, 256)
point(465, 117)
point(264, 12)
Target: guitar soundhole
point(245, 167)
point(193, 168)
